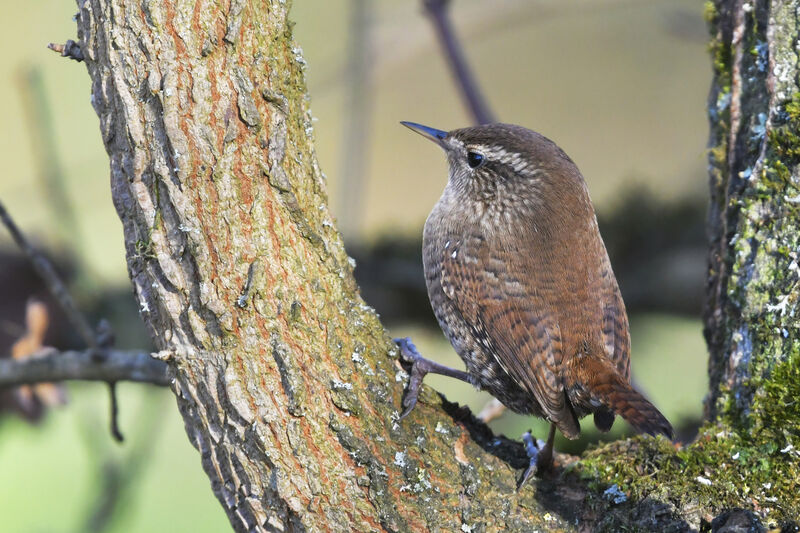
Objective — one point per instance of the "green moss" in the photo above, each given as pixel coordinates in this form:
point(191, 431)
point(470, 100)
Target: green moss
point(719, 153)
point(710, 13)
point(721, 56)
point(158, 221)
point(784, 140)
point(720, 470)
point(776, 406)
point(793, 108)
point(747, 460)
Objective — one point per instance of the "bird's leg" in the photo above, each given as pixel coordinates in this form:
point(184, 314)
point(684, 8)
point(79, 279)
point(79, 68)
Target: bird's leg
point(540, 455)
point(419, 367)
point(545, 461)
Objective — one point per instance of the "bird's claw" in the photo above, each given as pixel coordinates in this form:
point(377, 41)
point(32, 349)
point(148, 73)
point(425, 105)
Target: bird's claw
point(410, 355)
point(414, 384)
point(537, 461)
point(419, 367)
point(408, 402)
point(532, 450)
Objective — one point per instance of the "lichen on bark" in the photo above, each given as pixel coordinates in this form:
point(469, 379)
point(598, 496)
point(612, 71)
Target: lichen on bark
point(755, 190)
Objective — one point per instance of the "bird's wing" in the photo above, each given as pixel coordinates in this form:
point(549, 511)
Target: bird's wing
point(511, 321)
point(616, 338)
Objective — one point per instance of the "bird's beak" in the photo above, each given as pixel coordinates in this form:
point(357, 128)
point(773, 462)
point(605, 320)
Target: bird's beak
point(435, 135)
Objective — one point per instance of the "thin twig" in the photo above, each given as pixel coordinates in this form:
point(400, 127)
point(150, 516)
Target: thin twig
point(51, 279)
point(69, 49)
point(105, 339)
point(476, 103)
point(106, 365)
point(114, 418)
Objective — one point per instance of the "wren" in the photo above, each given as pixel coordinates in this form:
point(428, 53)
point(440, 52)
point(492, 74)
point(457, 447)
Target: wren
point(521, 284)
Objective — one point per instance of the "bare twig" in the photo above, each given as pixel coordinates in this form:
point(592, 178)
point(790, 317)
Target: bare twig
point(105, 365)
point(51, 279)
point(69, 49)
point(63, 297)
point(105, 339)
point(114, 418)
point(437, 10)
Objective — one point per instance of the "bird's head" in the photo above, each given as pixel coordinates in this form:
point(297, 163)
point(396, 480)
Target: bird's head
point(508, 171)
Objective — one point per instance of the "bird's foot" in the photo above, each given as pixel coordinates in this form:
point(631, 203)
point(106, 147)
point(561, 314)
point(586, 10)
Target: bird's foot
point(540, 456)
point(410, 356)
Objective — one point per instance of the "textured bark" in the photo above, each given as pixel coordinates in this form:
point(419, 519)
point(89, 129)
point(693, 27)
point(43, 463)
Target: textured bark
point(287, 382)
point(751, 315)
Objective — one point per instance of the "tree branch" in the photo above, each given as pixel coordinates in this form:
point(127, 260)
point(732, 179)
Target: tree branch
point(70, 49)
point(476, 103)
point(88, 365)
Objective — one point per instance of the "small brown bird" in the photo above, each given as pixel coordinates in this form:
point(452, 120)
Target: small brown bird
point(520, 282)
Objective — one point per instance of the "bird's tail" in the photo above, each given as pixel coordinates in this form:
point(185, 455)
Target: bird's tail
point(606, 385)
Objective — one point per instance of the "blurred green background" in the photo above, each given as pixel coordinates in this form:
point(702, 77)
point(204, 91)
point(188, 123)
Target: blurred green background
point(619, 84)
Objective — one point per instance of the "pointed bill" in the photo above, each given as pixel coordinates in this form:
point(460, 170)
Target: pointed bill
point(433, 134)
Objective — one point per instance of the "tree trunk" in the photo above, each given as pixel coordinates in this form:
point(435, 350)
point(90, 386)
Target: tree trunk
point(751, 316)
point(287, 382)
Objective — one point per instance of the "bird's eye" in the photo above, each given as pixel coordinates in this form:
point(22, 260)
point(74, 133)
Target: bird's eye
point(474, 159)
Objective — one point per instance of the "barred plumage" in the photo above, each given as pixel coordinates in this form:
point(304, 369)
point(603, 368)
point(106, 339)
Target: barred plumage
point(520, 281)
